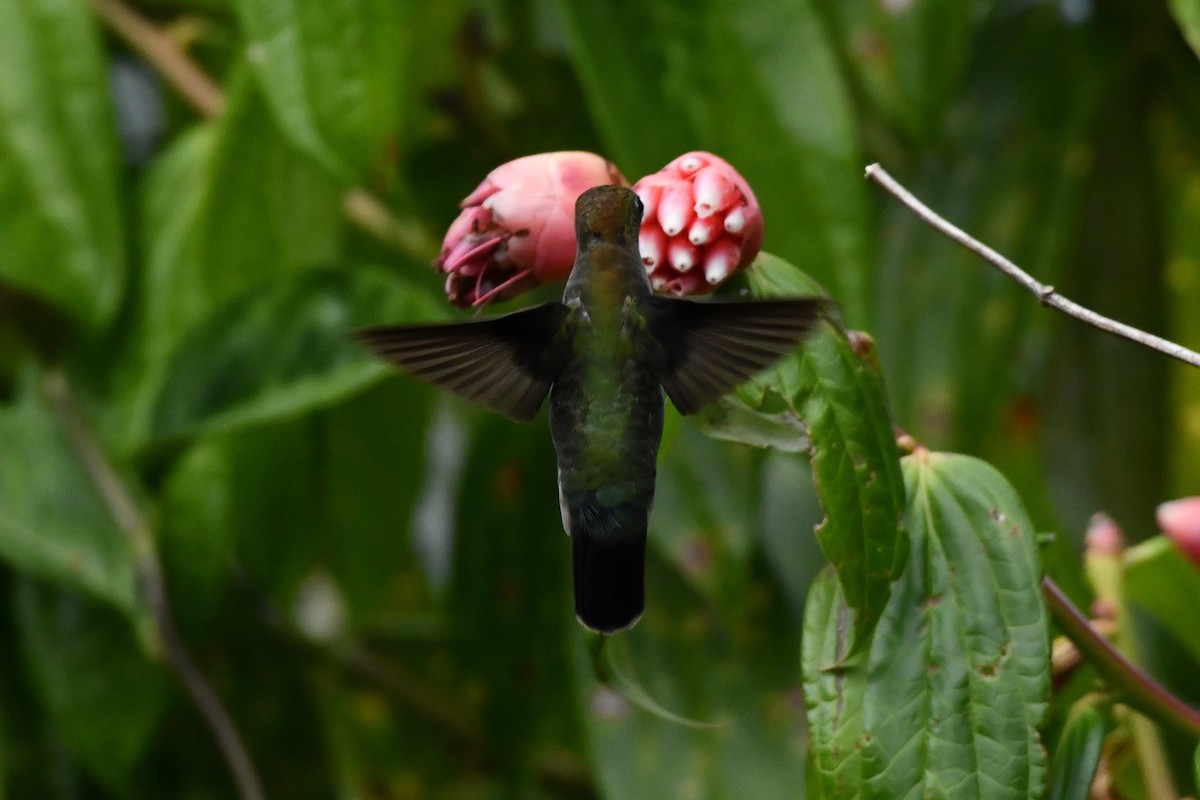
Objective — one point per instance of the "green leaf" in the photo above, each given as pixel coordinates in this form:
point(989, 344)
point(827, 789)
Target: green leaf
point(331, 74)
point(948, 699)
point(788, 508)
point(1187, 17)
point(1161, 580)
point(339, 486)
point(958, 676)
point(230, 207)
point(281, 351)
point(908, 56)
point(837, 393)
point(733, 671)
point(1078, 755)
point(53, 524)
point(102, 694)
point(856, 470)
point(834, 690)
point(60, 225)
point(758, 85)
point(509, 601)
point(610, 655)
point(705, 511)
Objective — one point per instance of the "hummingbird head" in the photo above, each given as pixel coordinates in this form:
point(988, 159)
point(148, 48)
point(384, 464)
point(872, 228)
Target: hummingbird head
point(609, 214)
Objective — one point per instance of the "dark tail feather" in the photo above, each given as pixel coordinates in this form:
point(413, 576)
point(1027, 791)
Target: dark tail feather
point(609, 589)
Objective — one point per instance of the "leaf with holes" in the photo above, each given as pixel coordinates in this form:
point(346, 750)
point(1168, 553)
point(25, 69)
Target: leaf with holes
point(948, 699)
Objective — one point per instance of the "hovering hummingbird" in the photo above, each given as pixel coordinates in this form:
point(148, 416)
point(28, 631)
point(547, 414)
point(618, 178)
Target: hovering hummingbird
point(605, 355)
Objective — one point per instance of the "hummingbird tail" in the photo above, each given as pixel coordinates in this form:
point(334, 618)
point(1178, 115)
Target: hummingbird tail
point(609, 560)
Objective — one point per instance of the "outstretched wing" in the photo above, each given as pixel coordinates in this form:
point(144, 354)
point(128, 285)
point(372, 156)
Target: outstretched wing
point(708, 348)
point(504, 363)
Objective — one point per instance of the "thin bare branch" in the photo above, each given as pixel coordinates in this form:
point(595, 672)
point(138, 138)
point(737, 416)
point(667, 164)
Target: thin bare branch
point(133, 524)
point(1044, 293)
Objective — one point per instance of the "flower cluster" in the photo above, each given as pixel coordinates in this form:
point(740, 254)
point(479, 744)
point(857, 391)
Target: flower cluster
point(701, 223)
point(516, 230)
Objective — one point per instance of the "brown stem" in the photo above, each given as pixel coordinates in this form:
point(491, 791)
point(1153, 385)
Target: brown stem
point(205, 95)
point(157, 47)
point(1045, 294)
point(1138, 689)
point(133, 524)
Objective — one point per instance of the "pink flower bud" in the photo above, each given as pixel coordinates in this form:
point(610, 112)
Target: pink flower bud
point(701, 224)
point(1180, 521)
point(517, 229)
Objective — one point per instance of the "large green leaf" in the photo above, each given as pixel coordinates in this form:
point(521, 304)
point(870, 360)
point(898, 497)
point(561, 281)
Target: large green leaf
point(326, 499)
point(60, 226)
point(53, 523)
point(281, 351)
point(908, 56)
point(705, 510)
point(1187, 16)
point(834, 690)
point(959, 670)
point(102, 694)
point(831, 394)
point(510, 605)
point(1163, 581)
point(231, 206)
point(755, 83)
point(1078, 755)
point(331, 73)
point(733, 672)
point(956, 680)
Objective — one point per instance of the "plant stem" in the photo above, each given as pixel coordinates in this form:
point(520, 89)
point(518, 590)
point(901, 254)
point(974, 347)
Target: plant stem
point(1105, 568)
point(133, 524)
point(205, 95)
point(1045, 294)
point(161, 50)
point(1138, 690)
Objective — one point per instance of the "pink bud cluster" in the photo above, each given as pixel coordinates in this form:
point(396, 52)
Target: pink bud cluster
point(517, 229)
point(701, 223)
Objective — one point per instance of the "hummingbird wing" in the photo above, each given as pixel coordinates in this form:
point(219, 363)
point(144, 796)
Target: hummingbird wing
point(504, 363)
point(705, 349)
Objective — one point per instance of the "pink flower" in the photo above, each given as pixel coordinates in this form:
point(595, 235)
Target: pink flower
point(517, 229)
point(701, 224)
point(1180, 521)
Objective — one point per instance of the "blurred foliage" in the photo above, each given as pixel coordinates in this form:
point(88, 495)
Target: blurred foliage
point(374, 578)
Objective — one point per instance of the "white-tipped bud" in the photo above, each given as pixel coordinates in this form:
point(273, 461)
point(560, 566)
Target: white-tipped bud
point(720, 261)
point(735, 220)
point(681, 255)
point(703, 231)
point(652, 244)
point(713, 191)
point(689, 164)
point(675, 209)
point(650, 196)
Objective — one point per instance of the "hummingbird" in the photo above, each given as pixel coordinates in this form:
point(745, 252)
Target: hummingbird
point(605, 355)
